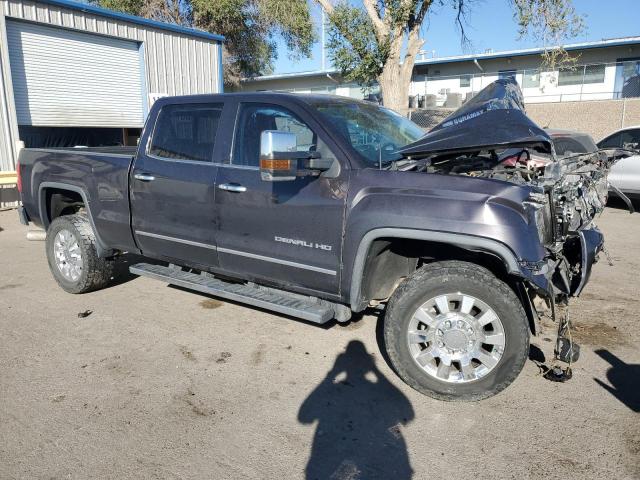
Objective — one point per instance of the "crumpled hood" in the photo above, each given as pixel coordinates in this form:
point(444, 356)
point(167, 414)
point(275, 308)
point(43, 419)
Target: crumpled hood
point(494, 118)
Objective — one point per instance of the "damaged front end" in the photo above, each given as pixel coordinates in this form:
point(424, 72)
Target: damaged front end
point(491, 137)
point(577, 191)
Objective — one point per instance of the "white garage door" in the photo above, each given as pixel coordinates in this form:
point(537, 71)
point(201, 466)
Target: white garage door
point(70, 78)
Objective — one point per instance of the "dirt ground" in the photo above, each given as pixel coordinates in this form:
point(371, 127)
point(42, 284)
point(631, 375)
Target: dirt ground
point(158, 382)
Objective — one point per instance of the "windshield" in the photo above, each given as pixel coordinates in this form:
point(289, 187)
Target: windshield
point(377, 133)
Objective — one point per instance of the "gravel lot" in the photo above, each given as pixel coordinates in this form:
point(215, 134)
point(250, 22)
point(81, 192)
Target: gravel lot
point(158, 382)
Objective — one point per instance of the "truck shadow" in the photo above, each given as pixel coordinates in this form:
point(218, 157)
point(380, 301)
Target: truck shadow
point(222, 301)
point(121, 273)
point(623, 378)
point(359, 416)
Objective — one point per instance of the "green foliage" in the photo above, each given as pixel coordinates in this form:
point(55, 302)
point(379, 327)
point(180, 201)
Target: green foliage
point(551, 22)
point(364, 38)
point(353, 47)
point(251, 27)
point(132, 7)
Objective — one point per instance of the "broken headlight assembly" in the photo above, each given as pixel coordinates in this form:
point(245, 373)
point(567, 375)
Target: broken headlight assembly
point(540, 209)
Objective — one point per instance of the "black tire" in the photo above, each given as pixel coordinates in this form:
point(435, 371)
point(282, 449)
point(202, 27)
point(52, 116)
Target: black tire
point(447, 277)
point(96, 272)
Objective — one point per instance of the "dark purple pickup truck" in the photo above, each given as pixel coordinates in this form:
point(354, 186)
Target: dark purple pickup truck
point(317, 207)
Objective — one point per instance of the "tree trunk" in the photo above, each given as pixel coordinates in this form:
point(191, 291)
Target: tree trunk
point(394, 85)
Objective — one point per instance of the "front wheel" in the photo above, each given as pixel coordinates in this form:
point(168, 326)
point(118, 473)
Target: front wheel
point(454, 331)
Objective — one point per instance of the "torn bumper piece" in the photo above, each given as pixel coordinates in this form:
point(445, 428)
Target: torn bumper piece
point(567, 274)
point(591, 243)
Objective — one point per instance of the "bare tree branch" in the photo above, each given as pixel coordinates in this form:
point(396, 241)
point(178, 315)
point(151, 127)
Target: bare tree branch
point(424, 8)
point(461, 19)
point(326, 5)
point(380, 28)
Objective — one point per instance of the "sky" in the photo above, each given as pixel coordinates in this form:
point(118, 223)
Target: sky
point(491, 26)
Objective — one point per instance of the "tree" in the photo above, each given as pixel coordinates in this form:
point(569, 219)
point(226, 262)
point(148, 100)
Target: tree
point(378, 40)
point(250, 27)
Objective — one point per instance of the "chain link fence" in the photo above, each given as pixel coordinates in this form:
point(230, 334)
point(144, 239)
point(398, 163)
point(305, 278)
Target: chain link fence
point(428, 119)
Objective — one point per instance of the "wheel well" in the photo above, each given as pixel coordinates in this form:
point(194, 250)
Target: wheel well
point(390, 260)
point(58, 202)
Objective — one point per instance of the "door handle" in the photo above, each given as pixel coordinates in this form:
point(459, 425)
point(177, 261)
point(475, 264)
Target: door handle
point(145, 177)
point(232, 187)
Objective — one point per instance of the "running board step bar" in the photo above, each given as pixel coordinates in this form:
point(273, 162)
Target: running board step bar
point(308, 308)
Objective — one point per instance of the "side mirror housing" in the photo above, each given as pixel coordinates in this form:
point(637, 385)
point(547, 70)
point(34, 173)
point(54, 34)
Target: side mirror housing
point(280, 160)
point(276, 160)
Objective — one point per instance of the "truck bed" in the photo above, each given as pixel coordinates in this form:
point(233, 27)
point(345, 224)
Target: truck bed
point(100, 175)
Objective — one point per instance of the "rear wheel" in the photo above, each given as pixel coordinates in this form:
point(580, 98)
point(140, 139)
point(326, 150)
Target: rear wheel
point(72, 255)
point(454, 331)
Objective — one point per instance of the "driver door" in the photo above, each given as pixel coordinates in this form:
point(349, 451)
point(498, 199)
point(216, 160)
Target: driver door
point(281, 233)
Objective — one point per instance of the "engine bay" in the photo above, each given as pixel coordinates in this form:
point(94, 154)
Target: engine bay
point(574, 186)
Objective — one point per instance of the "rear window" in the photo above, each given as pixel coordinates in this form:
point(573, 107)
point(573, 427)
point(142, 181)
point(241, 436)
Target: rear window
point(575, 144)
point(186, 132)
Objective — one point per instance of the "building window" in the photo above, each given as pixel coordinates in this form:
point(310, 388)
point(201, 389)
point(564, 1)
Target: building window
point(465, 80)
point(507, 74)
point(570, 76)
point(531, 79)
point(580, 75)
point(326, 90)
point(594, 74)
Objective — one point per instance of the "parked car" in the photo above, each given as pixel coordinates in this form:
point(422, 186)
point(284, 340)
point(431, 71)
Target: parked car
point(625, 174)
point(319, 206)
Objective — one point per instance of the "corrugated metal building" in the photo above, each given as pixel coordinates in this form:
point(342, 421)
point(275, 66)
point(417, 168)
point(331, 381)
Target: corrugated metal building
point(74, 74)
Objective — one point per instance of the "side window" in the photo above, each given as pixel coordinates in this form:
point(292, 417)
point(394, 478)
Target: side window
point(614, 141)
point(186, 131)
point(253, 119)
point(631, 139)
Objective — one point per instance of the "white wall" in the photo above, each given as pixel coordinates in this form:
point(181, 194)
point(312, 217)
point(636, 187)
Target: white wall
point(547, 91)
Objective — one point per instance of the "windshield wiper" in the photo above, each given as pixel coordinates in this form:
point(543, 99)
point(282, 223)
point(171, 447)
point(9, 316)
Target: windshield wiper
point(400, 164)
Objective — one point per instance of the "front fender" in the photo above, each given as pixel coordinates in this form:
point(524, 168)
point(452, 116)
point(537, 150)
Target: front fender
point(475, 214)
point(468, 242)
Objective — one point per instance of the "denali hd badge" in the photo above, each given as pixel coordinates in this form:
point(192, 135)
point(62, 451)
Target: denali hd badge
point(303, 243)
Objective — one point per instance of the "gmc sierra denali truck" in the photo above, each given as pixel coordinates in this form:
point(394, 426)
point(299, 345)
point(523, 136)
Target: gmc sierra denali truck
point(318, 206)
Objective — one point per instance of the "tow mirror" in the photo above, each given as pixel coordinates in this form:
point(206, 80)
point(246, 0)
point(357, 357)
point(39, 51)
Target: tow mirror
point(280, 160)
point(276, 162)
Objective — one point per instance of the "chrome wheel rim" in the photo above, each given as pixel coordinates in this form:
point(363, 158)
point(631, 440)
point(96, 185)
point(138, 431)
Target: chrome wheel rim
point(67, 255)
point(456, 338)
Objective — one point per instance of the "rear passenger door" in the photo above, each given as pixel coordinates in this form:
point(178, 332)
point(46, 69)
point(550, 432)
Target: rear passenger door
point(172, 184)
